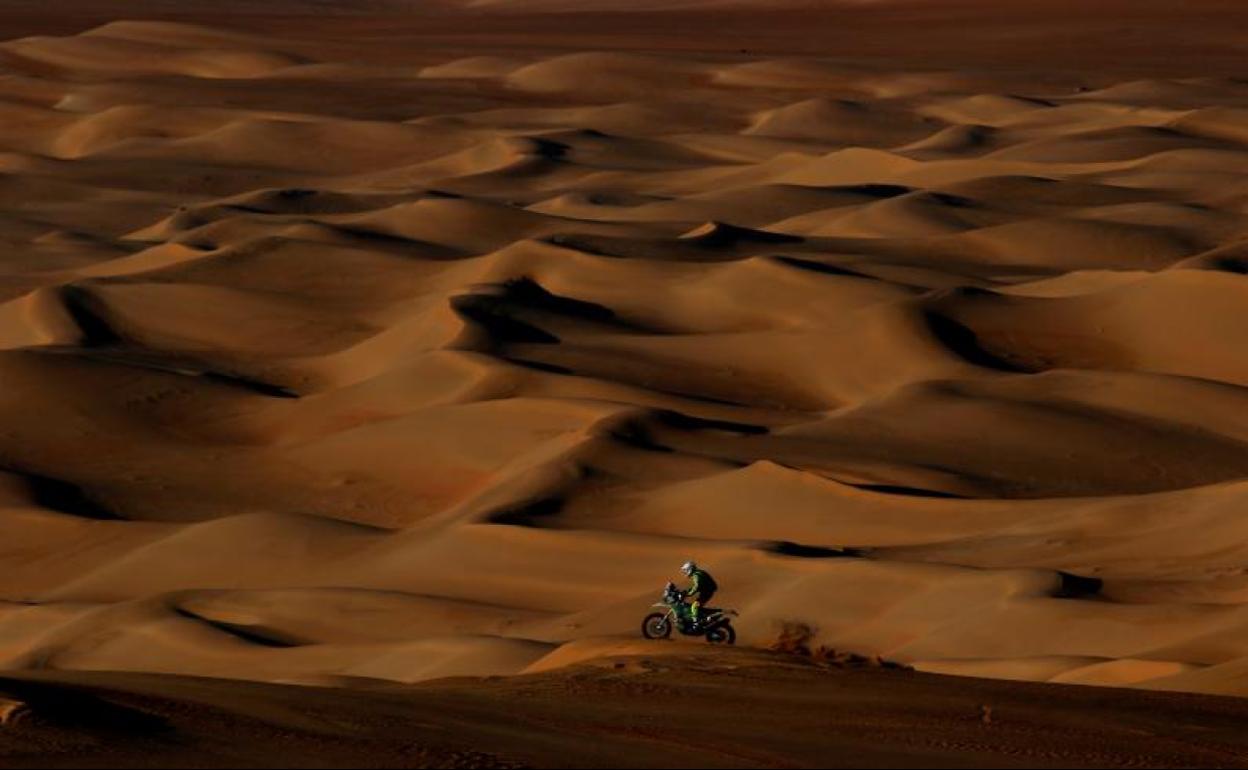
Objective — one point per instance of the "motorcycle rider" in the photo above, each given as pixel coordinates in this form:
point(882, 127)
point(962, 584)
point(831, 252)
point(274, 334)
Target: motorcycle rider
point(702, 588)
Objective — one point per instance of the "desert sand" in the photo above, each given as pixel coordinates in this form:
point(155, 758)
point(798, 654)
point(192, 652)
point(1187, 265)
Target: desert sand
point(366, 349)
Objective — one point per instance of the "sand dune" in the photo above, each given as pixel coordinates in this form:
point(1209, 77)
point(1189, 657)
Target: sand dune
point(329, 358)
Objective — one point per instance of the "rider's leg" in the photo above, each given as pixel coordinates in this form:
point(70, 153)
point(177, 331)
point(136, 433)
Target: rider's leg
point(697, 605)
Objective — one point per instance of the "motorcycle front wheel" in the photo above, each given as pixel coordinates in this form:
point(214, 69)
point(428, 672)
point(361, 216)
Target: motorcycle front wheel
point(656, 626)
point(723, 634)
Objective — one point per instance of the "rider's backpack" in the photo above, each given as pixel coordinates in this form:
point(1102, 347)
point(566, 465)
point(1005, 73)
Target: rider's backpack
point(707, 584)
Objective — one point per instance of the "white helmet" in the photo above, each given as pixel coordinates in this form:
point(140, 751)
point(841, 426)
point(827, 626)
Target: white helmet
point(688, 567)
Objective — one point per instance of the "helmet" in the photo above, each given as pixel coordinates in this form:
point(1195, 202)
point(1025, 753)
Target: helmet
point(688, 568)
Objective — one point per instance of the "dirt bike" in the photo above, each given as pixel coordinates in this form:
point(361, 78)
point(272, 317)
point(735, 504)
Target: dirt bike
point(715, 625)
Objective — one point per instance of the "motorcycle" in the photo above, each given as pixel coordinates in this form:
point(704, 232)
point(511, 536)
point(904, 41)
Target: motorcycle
point(715, 625)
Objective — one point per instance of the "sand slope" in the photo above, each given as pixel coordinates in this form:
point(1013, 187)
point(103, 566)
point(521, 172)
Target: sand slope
point(324, 363)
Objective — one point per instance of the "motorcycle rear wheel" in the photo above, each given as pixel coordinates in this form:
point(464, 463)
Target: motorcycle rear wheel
point(656, 626)
point(722, 634)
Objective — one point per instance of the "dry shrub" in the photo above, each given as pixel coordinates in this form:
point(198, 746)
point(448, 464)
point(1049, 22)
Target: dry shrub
point(794, 639)
point(797, 638)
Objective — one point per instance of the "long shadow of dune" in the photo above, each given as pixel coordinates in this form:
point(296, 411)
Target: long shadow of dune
point(247, 383)
point(99, 339)
point(511, 312)
point(89, 316)
point(155, 361)
point(897, 489)
point(264, 637)
point(964, 342)
point(647, 432)
point(689, 422)
point(824, 268)
point(798, 550)
point(67, 707)
point(1078, 586)
point(529, 514)
point(63, 497)
point(397, 245)
point(528, 292)
point(714, 247)
point(494, 316)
